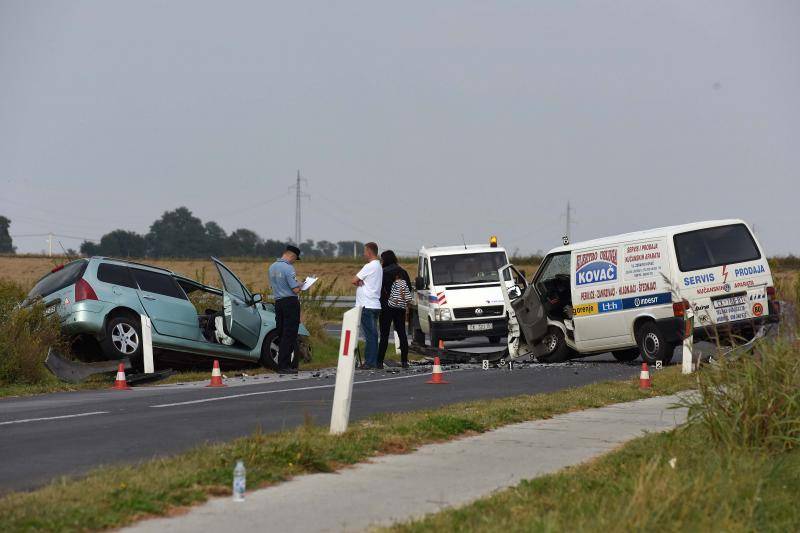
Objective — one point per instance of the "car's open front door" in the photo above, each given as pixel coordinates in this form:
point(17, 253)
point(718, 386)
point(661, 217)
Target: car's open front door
point(527, 320)
point(242, 319)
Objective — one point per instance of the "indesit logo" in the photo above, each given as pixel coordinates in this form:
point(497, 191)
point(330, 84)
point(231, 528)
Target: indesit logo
point(596, 267)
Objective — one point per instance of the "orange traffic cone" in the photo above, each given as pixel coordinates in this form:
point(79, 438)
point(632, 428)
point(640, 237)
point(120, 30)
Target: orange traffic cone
point(436, 377)
point(644, 377)
point(216, 376)
point(121, 383)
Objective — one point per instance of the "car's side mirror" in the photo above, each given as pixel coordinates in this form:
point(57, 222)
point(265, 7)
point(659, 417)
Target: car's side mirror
point(419, 283)
point(256, 298)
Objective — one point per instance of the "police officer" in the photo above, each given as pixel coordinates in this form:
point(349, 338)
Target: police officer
point(285, 288)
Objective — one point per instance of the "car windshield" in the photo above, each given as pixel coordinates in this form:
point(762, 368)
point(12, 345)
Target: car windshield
point(467, 268)
point(712, 247)
point(55, 281)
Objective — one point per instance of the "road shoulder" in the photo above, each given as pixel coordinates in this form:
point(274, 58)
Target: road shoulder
point(436, 476)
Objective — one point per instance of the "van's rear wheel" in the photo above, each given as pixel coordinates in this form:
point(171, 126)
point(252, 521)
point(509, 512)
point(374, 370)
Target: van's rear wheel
point(653, 345)
point(556, 349)
point(625, 356)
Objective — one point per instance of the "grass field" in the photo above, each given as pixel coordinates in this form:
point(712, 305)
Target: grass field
point(25, 270)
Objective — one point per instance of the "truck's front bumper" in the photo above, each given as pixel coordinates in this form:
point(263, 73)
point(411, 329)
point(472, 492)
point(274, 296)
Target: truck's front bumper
point(454, 330)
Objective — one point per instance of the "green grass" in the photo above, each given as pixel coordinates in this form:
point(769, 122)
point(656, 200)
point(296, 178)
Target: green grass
point(112, 497)
point(636, 489)
point(736, 466)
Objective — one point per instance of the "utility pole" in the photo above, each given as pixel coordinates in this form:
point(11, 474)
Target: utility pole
point(569, 223)
point(50, 245)
point(298, 220)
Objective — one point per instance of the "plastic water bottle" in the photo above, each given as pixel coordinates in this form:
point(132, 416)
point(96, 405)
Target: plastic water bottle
point(239, 481)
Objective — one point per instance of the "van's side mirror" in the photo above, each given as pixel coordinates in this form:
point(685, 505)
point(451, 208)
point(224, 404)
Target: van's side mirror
point(514, 292)
point(256, 298)
point(419, 283)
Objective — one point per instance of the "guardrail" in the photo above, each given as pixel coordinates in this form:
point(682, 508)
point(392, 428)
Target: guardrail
point(330, 301)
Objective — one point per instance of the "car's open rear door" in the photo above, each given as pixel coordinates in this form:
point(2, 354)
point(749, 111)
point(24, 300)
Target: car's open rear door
point(242, 320)
point(527, 319)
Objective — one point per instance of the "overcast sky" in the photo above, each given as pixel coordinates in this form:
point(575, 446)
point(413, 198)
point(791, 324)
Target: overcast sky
point(413, 122)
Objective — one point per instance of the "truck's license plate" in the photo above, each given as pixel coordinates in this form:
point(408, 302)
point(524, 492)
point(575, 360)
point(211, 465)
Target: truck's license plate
point(478, 327)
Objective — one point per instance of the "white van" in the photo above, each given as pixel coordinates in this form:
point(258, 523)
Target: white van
point(458, 294)
point(627, 294)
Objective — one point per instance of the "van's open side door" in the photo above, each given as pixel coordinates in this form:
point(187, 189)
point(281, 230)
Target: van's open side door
point(527, 319)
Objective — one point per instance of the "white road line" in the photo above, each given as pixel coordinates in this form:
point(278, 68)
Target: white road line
point(330, 386)
point(52, 418)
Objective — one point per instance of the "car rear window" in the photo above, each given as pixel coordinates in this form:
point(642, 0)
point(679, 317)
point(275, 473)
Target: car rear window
point(55, 281)
point(158, 283)
point(115, 275)
point(713, 247)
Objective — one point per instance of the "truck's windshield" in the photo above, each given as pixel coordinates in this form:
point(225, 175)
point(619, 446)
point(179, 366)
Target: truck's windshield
point(467, 268)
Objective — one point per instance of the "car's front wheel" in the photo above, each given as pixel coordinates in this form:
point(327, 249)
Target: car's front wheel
point(124, 339)
point(269, 352)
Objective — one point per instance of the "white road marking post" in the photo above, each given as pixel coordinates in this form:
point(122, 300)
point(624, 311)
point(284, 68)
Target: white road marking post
point(687, 364)
point(147, 345)
point(345, 371)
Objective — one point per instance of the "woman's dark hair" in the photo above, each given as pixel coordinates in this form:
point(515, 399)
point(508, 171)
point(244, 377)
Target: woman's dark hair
point(388, 258)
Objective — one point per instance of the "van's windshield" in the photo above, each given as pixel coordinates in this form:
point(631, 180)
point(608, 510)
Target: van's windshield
point(713, 247)
point(467, 268)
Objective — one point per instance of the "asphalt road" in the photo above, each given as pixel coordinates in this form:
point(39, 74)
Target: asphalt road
point(67, 434)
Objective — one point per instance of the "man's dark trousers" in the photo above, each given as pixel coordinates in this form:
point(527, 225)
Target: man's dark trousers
point(287, 320)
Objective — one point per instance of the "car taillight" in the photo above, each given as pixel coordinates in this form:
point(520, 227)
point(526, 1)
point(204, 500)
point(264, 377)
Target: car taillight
point(84, 291)
point(771, 293)
point(679, 308)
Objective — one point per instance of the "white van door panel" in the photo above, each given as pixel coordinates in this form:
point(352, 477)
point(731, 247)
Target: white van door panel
point(616, 284)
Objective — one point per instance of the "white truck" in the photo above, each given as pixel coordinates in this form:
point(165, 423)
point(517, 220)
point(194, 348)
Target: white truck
point(458, 294)
point(628, 294)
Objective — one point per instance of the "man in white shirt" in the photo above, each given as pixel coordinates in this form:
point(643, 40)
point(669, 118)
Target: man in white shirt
point(368, 295)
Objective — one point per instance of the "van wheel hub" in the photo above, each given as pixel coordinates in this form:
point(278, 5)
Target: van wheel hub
point(651, 343)
point(551, 342)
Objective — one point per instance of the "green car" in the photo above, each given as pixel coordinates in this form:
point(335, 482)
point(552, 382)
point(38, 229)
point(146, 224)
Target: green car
point(107, 298)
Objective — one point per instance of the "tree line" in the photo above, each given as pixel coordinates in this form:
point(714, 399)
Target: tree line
point(179, 233)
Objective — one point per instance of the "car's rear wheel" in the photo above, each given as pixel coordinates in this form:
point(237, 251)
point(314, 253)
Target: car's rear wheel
point(556, 349)
point(269, 352)
point(625, 356)
point(124, 339)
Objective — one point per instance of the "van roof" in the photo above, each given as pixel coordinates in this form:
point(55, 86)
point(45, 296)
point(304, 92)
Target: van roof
point(647, 234)
point(459, 249)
